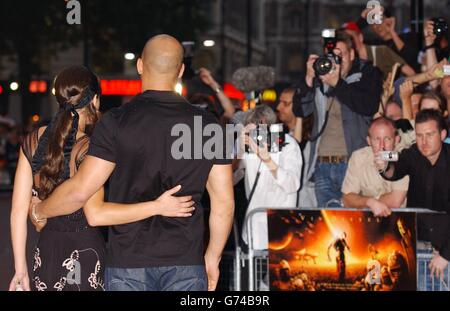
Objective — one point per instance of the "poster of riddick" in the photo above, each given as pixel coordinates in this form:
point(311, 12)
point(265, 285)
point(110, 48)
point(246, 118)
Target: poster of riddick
point(341, 250)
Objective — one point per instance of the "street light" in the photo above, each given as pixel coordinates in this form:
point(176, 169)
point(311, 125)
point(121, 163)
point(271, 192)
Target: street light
point(209, 43)
point(35, 118)
point(129, 56)
point(14, 86)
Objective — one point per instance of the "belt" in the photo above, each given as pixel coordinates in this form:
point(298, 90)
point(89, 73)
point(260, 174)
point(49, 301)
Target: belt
point(332, 159)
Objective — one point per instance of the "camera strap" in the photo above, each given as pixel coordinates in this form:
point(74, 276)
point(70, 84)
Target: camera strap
point(314, 138)
point(258, 174)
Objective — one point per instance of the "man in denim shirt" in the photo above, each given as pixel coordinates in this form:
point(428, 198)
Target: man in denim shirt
point(343, 103)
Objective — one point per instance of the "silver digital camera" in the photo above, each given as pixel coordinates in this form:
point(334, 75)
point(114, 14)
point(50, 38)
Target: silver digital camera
point(389, 156)
point(272, 135)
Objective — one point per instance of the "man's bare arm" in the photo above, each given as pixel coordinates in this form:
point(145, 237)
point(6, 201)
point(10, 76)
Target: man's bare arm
point(354, 200)
point(378, 207)
point(76, 191)
point(394, 199)
point(220, 189)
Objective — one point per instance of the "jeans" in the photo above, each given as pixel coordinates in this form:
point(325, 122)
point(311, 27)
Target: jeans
point(328, 178)
point(172, 278)
point(424, 280)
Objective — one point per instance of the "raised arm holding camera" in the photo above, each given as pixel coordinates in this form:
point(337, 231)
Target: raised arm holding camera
point(343, 93)
point(404, 44)
point(363, 186)
point(436, 48)
point(272, 172)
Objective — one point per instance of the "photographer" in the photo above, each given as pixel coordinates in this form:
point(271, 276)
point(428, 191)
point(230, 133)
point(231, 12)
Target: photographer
point(428, 165)
point(404, 44)
point(343, 102)
point(271, 179)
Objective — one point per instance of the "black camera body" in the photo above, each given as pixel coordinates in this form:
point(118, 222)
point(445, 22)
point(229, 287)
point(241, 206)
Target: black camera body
point(440, 27)
point(272, 135)
point(324, 64)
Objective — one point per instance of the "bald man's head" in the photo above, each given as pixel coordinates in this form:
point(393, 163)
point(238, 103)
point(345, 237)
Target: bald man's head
point(162, 56)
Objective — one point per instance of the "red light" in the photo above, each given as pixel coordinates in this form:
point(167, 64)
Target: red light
point(233, 92)
point(1, 89)
point(42, 87)
point(121, 87)
point(38, 86)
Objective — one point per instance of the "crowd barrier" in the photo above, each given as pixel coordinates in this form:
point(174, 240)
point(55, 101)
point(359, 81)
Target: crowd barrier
point(254, 263)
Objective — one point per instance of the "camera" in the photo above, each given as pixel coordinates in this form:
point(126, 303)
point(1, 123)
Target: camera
point(389, 156)
point(440, 27)
point(272, 135)
point(324, 64)
point(446, 70)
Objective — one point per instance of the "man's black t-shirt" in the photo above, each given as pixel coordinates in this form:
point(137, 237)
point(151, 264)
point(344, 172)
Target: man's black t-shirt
point(139, 137)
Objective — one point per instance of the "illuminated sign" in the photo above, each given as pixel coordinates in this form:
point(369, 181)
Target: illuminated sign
point(121, 87)
point(38, 86)
point(232, 92)
point(269, 96)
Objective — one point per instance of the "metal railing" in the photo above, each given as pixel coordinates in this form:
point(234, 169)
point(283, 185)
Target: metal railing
point(426, 282)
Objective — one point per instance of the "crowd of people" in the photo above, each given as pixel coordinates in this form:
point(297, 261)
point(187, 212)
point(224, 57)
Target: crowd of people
point(379, 99)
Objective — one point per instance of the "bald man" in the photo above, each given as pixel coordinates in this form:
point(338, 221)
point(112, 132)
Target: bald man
point(133, 146)
point(363, 186)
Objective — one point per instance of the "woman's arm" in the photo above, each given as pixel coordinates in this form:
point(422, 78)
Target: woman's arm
point(406, 91)
point(433, 73)
point(21, 198)
point(227, 105)
point(100, 213)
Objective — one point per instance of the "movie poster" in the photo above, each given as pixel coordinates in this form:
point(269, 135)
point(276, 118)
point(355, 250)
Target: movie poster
point(341, 251)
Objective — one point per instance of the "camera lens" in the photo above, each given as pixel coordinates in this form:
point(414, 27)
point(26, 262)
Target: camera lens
point(323, 65)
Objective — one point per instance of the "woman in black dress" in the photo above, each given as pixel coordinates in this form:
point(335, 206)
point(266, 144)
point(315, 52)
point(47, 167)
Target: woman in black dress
point(70, 254)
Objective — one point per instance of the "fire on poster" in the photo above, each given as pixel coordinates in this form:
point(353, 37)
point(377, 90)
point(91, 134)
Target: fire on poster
point(341, 251)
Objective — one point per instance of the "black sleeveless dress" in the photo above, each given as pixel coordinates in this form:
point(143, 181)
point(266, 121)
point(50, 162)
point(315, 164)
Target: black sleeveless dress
point(70, 255)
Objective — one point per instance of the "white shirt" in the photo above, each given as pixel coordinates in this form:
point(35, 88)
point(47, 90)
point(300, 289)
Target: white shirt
point(271, 192)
